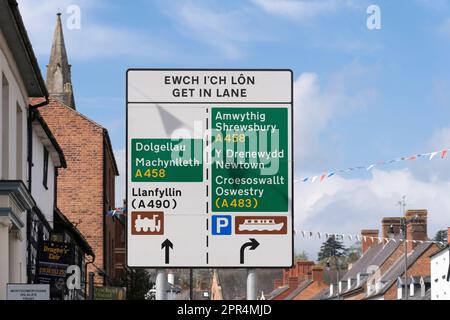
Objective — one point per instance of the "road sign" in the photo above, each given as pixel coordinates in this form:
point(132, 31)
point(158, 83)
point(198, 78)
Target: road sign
point(209, 168)
point(28, 292)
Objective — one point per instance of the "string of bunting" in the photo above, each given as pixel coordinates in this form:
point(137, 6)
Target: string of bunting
point(351, 237)
point(328, 174)
point(116, 212)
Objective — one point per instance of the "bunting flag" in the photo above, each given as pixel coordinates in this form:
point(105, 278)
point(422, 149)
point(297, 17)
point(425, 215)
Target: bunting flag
point(115, 212)
point(328, 174)
point(380, 240)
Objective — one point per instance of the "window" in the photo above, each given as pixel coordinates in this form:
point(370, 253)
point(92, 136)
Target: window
point(19, 142)
point(45, 168)
point(5, 128)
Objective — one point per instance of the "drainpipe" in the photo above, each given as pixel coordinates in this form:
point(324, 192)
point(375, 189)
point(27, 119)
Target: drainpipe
point(86, 277)
point(30, 118)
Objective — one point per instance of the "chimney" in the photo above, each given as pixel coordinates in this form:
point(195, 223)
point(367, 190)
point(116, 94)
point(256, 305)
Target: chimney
point(304, 269)
point(317, 274)
point(277, 283)
point(391, 226)
point(367, 242)
point(286, 275)
point(293, 282)
point(416, 227)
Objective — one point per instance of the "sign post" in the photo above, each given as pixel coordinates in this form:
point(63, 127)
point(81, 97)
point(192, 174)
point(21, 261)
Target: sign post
point(161, 284)
point(209, 168)
point(251, 284)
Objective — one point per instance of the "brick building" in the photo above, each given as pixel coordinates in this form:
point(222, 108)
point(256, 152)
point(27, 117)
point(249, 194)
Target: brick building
point(116, 238)
point(86, 188)
point(301, 282)
point(379, 273)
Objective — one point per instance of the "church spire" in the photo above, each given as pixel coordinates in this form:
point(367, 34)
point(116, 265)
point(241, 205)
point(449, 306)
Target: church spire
point(59, 82)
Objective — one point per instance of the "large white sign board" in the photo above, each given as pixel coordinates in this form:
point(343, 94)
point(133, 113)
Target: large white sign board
point(209, 168)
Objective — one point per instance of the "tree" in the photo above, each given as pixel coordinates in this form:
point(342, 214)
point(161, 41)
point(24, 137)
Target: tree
point(331, 248)
point(302, 256)
point(139, 284)
point(441, 236)
point(354, 253)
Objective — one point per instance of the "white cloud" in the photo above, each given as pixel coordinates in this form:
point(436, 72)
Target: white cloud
point(93, 40)
point(317, 104)
point(302, 9)
point(227, 31)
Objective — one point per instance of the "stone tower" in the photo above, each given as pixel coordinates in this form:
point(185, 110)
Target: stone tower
point(59, 81)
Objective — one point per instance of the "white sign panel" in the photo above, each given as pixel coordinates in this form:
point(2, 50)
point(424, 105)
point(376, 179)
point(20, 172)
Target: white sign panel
point(209, 168)
point(28, 292)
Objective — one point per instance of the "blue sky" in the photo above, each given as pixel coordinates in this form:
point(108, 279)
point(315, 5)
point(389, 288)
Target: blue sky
point(360, 95)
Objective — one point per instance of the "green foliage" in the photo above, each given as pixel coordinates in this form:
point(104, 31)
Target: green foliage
point(334, 255)
point(302, 256)
point(139, 284)
point(353, 253)
point(441, 236)
point(332, 247)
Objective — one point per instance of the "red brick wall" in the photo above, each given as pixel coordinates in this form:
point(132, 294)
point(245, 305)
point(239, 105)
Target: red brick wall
point(80, 186)
point(115, 250)
point(422, 267)
point(293, 284)
point(416, 226)
point(300, 270)
point(367, 243)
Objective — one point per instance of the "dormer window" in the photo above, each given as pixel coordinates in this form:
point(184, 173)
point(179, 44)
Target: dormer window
point(422, 287)
point(378, 286)
point(411, 288)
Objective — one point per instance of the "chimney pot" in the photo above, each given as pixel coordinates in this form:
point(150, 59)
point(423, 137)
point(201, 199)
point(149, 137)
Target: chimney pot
point(416, 227)
point(293, 282)
point(368, 242)
point(317, 274)
point(391, 226)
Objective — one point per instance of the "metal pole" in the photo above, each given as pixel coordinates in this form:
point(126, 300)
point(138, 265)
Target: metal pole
point(161, 284)
point(406, 258)
point(91, 286)
point(251, 284)
point(338, 280)
point(191, 275)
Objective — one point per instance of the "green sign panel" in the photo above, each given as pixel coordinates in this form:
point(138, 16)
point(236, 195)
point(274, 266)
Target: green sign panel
point(167, 160)
point(250, 160)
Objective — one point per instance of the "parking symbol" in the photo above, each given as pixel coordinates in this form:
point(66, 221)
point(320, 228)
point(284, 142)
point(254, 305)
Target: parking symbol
point(221, 225)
